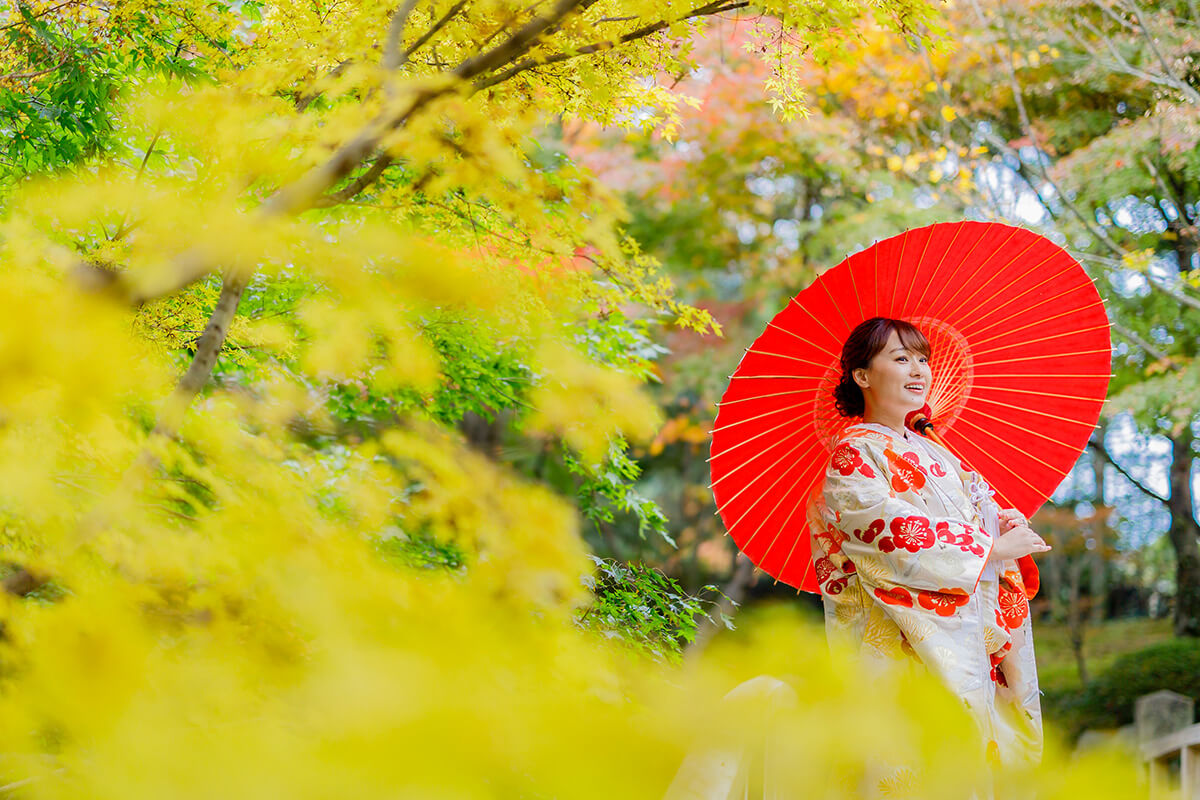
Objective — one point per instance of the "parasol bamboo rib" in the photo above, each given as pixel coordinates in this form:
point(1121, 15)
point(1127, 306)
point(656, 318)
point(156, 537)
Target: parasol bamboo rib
point(1002, 348)
point(939, 303)
point(1009, 331)
point(762, 495)
point(937, 269)
point(899, 261)
point(1042, 375)
point(1024, 429)
point(908, 292)
point(1038, 392)
point(723, 403)
point(802, 338)
point(832, 300)
point(786, 357)
point(854, 287)
point(1024, 452)
point(819, 322)
point(1075, 287)
point(800, 498)
point(997, 462)
point(990, 401)
point(957, 310)
point(1044, 356)
point(970, 314)
point(757, 455)
point(766, 471)
point(742, 442)
point(774, 377)
point(779, 410)
point(935, 301)
point(979, 285)
point(766, 518)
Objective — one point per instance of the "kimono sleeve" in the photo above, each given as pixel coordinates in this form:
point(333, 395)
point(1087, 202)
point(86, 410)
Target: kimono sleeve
point(890, 535)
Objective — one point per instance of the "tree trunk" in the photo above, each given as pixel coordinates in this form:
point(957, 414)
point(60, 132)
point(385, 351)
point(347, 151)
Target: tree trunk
point(1075, 617)
point(1099, 566)
point(1051, 566)
point(1185, 538)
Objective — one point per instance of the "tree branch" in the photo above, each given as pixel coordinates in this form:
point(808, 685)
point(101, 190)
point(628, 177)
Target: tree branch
point(27, 75)
point(305, 100)
point(1027, 128)
point(717, 7)
point(42, 13)
point(1103, 452)
point(1151, 350)
point(517, 44)
point(1190, 93)
point(233, 285)
point(433, 29)
point(1162, 187)
point(357, 185)
point(1119, 64)
point(392, 56)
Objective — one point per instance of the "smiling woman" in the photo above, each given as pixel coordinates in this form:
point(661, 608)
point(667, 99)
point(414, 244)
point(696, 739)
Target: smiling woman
point(908, 550)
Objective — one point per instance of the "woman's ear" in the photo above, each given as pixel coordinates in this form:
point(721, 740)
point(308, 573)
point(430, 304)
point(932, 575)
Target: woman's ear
point(860, 377)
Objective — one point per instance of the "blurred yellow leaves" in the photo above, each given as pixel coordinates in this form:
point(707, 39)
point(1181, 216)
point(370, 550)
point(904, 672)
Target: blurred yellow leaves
point(585, 404)
point(1138, 260)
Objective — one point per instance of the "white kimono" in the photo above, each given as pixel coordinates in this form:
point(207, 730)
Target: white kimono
point(902, 530)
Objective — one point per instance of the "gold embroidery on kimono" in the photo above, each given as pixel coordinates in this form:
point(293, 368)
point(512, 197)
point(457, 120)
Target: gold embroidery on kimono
point(902, 531)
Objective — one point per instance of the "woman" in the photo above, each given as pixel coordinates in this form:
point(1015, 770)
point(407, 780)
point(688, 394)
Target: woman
point(909, 552)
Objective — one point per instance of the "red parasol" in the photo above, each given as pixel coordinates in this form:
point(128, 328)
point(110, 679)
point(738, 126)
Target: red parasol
point(1021, 360)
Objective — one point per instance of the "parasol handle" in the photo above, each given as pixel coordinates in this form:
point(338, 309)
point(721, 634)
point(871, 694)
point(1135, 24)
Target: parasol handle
point(920, 422)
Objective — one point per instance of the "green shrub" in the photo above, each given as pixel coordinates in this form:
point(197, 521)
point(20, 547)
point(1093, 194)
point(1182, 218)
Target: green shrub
point(1108, 701)
point(645, 609)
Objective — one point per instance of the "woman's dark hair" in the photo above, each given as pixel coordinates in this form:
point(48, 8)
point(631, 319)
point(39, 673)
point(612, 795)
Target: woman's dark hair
point(863, 343)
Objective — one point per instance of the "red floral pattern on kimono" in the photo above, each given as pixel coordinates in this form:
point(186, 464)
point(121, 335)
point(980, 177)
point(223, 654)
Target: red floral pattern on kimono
point(896, 596)
point(1013, 602)
point(944, 603)
point(847, 460)
point(905, 470)
point(899, 551)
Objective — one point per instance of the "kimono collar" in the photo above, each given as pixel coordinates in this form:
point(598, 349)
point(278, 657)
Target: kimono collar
point(875, 426)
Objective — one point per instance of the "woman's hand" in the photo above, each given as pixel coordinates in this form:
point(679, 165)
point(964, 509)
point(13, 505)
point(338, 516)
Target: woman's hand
point(1017, 541)
point(1011, 518)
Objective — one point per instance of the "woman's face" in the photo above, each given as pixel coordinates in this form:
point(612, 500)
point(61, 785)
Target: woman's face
point(897, 379)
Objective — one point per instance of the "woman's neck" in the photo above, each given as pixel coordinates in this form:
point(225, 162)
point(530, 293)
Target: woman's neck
point(876, 417)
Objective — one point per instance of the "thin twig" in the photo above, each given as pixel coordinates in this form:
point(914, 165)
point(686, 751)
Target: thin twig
point(41, 13)
point(123, 228)
point(433, 29)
